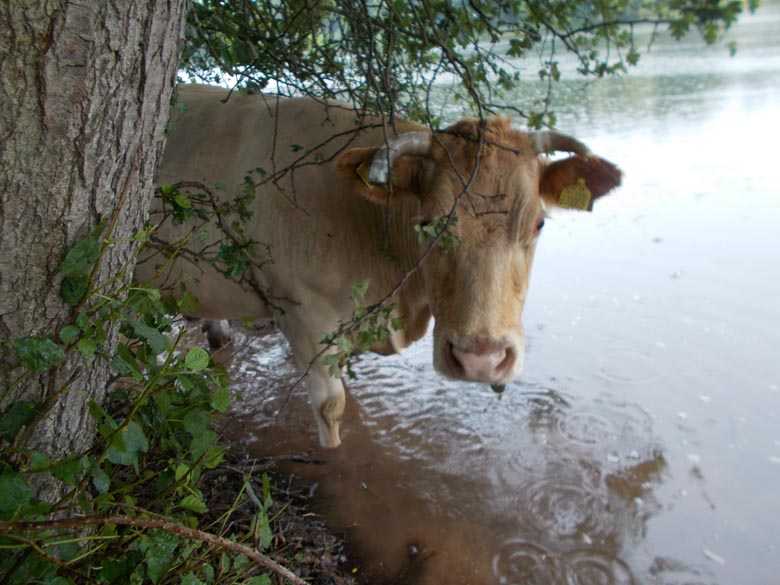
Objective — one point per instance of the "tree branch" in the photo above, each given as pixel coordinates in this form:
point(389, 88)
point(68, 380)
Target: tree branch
point(190, 533)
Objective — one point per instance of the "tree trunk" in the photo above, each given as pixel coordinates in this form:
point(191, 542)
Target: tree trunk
point(85, 91)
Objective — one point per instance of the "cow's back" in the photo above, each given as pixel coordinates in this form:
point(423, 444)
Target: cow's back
point(222, 136)
point(321, 237)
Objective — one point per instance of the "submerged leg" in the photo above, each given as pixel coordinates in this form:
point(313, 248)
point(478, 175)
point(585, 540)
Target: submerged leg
point(326, 392)
point(218, 332)
point(326, 395)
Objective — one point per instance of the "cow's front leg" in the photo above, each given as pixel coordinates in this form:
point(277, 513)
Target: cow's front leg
point(326, 395)
point(326, 392)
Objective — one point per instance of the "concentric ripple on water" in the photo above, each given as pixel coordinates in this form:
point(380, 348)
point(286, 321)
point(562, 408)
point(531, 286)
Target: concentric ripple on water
point(628, 366)
point(519, 562)
point(593, 567)
point(615, 427)
point(566, 509)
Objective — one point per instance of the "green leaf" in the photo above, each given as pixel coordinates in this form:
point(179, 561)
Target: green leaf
point(38, 460)
point(127, 444)
point(86, 346)
point(117, 569)
point(16, 494)
point(128, 359)
point(214, 457)
point(333, 363)
point(37, 354)
point(261, 529)
point(69, 333)
point(182, 201)
point(344, 344)
point(13, 419)
point(81, 257)
point(197, 359)
point(220, 399)
point(259, 580)
point(100, 479)
point(82, 320)
point(188, 303)
point(163, 402)
point(267, 499)
point(220, 376)
point(68, 471)
point(359, 288)
point(203, 442)
point(156, 340)
point(191, 579)
point(159, 548)
point(99, 413)
point(196, 422)
point(241, 562)
point(73, 289)
point(194, 503)
point(181, 470)
point(224, 563)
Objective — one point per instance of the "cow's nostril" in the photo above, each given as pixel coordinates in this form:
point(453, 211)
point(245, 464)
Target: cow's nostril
point(508, 361)
point(452, 360)
point(479, 360)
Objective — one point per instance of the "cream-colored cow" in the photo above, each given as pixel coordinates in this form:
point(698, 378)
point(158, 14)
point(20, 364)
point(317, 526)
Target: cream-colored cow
point(342, 195)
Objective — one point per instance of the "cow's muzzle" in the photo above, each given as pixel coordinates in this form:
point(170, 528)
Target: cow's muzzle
point(480, 360)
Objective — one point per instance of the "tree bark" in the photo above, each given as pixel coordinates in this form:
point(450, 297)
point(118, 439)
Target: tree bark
point(85, 89)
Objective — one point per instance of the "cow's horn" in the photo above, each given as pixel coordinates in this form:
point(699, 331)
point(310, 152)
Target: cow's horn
point(551, 141)
point(403, 144)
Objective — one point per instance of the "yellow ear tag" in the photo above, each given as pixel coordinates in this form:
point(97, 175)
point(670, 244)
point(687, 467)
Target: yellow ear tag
point(576, 196)
point(362, 172)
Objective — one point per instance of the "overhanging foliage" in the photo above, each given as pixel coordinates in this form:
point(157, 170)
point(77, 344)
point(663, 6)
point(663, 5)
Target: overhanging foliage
point(388, 55)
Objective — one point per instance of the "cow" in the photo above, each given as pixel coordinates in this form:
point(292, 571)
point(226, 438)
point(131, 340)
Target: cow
point(342, 197)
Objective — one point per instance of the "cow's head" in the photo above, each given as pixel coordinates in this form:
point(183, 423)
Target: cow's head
point(494, 184)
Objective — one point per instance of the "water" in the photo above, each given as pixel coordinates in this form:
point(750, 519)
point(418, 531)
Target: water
point(643, 444)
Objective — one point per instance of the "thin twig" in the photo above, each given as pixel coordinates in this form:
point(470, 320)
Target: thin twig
point(166, 526)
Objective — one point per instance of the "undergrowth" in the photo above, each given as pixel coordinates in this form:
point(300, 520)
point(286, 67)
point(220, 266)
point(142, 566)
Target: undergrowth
point(134, 509)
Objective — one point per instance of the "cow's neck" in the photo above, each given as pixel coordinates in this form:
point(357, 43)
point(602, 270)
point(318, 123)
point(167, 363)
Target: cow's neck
point(412, 300)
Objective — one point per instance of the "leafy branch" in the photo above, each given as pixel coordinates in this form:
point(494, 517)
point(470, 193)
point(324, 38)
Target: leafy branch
point(378, 55)
point(155, 441)
point(10, 530)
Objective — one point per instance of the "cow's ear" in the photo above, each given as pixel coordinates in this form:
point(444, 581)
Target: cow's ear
point(355, 163)
point(576, 182)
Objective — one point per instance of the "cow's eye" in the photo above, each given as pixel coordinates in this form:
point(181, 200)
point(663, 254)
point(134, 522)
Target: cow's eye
point(540, 225)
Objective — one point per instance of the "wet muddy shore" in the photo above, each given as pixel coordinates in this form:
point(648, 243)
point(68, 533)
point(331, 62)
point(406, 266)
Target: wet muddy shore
point(302, 542)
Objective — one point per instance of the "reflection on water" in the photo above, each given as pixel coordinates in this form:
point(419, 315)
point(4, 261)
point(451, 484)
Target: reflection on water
point(642, 446)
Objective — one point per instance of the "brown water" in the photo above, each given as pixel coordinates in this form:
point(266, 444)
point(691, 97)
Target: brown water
point(643, 444)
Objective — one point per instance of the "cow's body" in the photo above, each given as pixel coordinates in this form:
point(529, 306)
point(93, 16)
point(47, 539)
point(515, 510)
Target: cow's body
point(324, 228)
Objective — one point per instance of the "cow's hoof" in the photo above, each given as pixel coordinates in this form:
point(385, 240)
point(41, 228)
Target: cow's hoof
point(218, 333)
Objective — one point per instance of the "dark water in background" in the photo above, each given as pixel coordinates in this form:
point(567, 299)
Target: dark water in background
point(643, 444)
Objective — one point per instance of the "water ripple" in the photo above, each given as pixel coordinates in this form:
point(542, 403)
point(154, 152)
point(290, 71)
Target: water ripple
point(520, 562)
point(595, 567)
point(567, 509)
point(587, 428)
point(618, 428)
point(628, 366)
